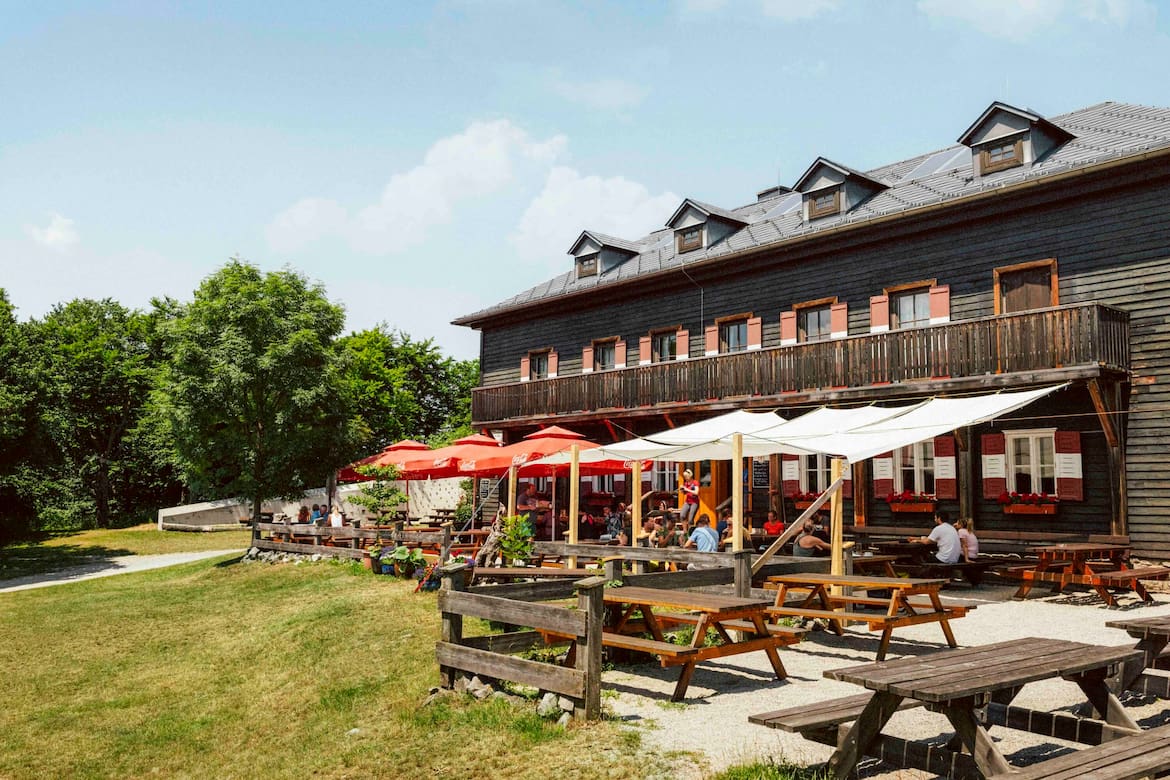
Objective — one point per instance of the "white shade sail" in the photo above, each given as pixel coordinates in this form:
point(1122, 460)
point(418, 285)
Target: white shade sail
point(854, 434)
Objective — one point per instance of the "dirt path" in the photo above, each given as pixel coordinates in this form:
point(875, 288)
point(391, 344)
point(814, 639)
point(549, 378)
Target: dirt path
point(107, 567)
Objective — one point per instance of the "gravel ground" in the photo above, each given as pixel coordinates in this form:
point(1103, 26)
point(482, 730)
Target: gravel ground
point(107, 567)
point(723, 693)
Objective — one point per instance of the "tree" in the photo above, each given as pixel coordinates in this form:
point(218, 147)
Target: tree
point(251, 399)
point(96, 372)
point(17, 422)
point(406, 389)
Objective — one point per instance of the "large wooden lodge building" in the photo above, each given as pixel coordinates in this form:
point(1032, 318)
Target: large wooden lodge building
point(1035, 251)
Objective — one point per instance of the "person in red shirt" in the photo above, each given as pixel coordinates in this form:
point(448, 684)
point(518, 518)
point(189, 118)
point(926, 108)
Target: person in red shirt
point(690, 489)
point(773, 526)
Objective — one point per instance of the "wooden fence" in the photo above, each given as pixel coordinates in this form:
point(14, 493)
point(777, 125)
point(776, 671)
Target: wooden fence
point(348, 541)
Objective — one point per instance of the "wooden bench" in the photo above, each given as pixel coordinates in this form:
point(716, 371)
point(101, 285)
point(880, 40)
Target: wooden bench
point(775, 629)
point(1129, 575)
point(1127, 758)
point(818, 721)
point(521, 572)
point(971, 571)
point(666, 651)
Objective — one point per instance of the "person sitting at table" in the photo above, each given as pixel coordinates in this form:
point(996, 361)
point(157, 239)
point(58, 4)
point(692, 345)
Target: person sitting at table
point(724, 523)
point(316, 514)
point(613, 525)
point(526, 502)
point(649, 533)
point(808, 544)
point(303, 515)
point(945, 536)
point(704, 538)
point(336, 519)
point(773, 526)
point(967, 539)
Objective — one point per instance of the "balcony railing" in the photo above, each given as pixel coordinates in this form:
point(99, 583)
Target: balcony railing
point(1062, 337)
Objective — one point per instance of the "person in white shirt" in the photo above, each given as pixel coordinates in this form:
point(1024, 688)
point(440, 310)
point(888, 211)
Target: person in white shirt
point(336, 520)
point(946, 537)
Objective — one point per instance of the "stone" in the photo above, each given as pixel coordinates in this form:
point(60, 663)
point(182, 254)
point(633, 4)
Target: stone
point(353, 732)
point(566, 703)
point(461, 685)
point(548, 707)
point(565, 719)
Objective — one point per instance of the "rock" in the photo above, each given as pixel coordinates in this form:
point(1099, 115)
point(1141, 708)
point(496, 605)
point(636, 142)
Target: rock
point(353, 732)
point(565, 719)
point(548, 707)
point(434, 690)
point(461, 685)
point(437, 695)
point(497, 695)
point(566, 703)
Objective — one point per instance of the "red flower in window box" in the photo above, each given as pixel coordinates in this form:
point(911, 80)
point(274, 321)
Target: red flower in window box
point(909, 501)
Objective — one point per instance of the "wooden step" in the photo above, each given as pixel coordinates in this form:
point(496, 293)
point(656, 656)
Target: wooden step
point(819, 715)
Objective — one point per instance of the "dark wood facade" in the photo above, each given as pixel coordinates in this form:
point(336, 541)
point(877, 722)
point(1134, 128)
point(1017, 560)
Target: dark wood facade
point(1107, 231)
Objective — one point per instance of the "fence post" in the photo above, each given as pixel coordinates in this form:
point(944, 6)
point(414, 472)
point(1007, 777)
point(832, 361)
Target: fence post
point(255, 533)
point(613, 568)
point(742, 564)
point(445, 545)
point(451, 628)
point(590, 593)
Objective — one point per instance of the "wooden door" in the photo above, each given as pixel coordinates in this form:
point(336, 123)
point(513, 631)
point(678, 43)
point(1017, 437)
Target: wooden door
point(713, 476)
point(1025, 288)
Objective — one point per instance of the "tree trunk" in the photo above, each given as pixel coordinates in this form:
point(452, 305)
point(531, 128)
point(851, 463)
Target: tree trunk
point(331, 487)
point(103, 492)
point(257, 503)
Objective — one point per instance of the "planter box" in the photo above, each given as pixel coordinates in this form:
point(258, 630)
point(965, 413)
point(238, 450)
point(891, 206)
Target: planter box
point(803, 505)
point(921, 507)
point(1029, 509)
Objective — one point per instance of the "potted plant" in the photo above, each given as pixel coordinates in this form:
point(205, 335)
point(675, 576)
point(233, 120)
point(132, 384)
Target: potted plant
point(1015, 503)
point(379, 496)
point(803, 501)
point(516, 540)
point(405, 560)
point(370, 555)
point(909, 501)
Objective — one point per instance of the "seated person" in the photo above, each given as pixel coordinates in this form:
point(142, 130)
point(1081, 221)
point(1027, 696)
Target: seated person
point(316, 514)
point(648, 536)
point(303, 515)
point(821, 531)
point(945, 536)
point(703, 538)
point(724, 523)
point(967, 539)
point(773, 526)
point(809, 545)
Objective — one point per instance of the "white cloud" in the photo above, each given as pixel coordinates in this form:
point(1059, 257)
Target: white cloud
point(477, 162)
point(1020, 20)
point(797, 10)
point(59, 235)
point(604, 94)
point(571, 203)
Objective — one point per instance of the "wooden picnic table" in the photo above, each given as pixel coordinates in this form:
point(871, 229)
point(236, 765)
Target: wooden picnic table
point(881, 565)
point(724, 614)
point(840, 609)
point(914, 552)
point(1098, 565)
point(1147, 676)
point(986, 678)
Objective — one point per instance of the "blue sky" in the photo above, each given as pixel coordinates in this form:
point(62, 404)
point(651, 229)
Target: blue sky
point(425, 160)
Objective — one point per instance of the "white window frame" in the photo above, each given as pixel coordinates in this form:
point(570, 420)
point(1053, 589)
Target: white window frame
point(664, 476)
point(1035, 467)
point(920, 469)
point(820, 463)
point(603, 483)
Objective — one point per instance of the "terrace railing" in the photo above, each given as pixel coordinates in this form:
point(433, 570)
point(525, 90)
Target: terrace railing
point(1061, 337)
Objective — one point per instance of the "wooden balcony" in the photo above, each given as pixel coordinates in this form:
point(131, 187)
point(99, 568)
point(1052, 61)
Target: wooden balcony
point(1064, 342)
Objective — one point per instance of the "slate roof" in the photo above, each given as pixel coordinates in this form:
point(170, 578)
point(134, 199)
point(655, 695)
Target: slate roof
point(1106, 131)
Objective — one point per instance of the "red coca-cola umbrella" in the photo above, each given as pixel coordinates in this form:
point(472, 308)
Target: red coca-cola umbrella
point(443, 462)
point(532, 447)
point(350, 473)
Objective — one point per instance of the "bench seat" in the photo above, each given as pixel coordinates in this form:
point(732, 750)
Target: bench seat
point(652, 646)
point(1129, 575)
point(1127, 758)
point(971, 571)
point(791, 632)
point(820, 715)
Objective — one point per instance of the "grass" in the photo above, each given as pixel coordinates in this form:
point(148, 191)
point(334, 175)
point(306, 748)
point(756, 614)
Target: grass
point(58, 551)
point(225, 669)
point(770, 770)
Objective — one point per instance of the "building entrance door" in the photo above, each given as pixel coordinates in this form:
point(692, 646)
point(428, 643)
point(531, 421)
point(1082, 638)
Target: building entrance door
point(713, 476)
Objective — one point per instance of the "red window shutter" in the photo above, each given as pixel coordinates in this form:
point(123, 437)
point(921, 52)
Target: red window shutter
point(587, 360)
point(787, 328)
point(992, 447)
point(1070, 483)
point(946, 481)
point(682, 342)
point(879, 314)
point(552, 364)
point(755, 333)
point(883, 474)
point(644, 352)
point(619, 354)
point(839, 320)
point(712, 339)
point(525, 371)
point(940, 304)
point(789, 474)
point(847, 485)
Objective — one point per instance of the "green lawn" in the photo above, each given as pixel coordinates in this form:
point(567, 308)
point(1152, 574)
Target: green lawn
point(59, 551)
point(223, 669)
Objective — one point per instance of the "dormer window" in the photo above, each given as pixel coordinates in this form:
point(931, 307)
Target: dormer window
point(1001, 155)
point(824, 204)
point(587, 266)
point(689, 239)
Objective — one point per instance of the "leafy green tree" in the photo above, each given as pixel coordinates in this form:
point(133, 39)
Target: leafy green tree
point(407, 389)
point(96, 372)
point(18, 398)
point(252, 400)
point(379, 496)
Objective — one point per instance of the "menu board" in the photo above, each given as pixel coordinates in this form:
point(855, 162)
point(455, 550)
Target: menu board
point(761, 472)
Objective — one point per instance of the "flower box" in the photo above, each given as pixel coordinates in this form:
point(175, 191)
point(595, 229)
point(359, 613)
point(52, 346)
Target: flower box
point(1029, 509)
point(803, 505)
point(913, 506)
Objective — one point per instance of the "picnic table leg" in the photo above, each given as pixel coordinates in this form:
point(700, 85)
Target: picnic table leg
point(773, 656)
point(655, 628)
point(1140, 589)
point(936, 602)
point(862, 733)
point(684, 680)
point(976, 739)
point(1094, 686)
point(838, 626)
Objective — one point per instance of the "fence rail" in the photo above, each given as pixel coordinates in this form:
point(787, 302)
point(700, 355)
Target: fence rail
point(325, 539)
point(1057, 338)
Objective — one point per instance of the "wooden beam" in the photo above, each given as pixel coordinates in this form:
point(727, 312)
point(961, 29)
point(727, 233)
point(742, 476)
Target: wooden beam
point(1104, 412)
point(737, 492)
point(965, 467)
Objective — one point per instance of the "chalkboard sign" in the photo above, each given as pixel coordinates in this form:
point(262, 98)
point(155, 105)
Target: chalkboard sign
point(761, 472)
